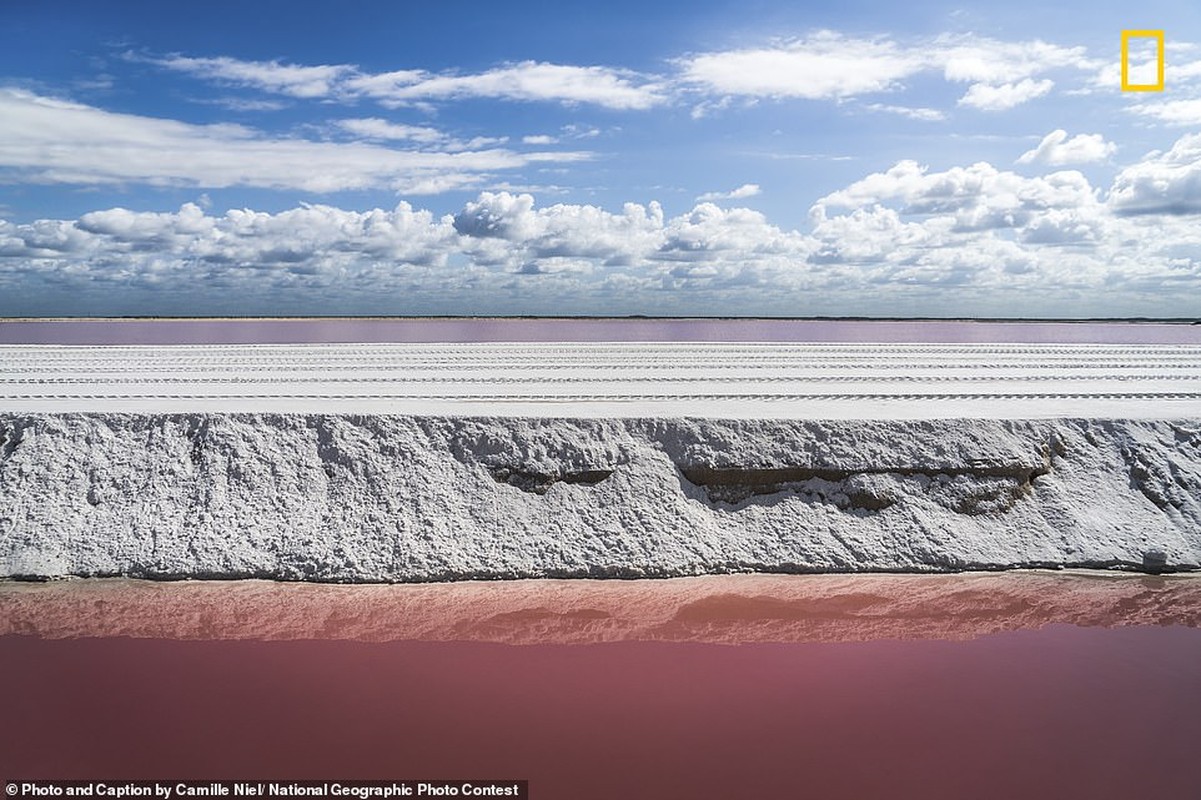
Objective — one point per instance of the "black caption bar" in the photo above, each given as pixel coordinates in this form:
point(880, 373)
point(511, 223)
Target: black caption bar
point(330, 790)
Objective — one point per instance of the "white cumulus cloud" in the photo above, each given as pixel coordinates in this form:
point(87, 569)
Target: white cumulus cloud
point(742, 192)
point(823, 65)
point(976, 196)
point(1004, 96)
point(502, 228)
point(1164, 183)
point(1171, 112)
point(1056, 149)
point(976, 59)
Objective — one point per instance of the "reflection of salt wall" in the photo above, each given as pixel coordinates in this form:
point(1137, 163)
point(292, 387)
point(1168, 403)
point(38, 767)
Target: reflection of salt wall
point(374, 498)
point(726, 609)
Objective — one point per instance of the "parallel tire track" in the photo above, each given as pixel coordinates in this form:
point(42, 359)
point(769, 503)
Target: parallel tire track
point(552, 398)
point(783, 379)
point(600, 373)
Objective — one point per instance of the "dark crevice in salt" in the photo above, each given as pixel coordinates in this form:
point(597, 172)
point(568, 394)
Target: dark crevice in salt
point(971, 490)
point(540, 483)
point(10, 437)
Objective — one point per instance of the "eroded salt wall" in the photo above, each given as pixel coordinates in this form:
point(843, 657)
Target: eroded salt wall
point(378, 498)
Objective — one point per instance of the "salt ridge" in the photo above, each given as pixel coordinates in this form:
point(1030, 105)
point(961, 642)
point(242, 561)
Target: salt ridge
point(355, 498)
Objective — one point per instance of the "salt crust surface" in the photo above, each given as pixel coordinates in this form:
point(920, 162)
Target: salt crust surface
point(358, 498)
point(603, 380)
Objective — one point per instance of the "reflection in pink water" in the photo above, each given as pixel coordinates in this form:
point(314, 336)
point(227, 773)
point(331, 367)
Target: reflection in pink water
point(619, 689)
point(333, 330)
point(713, 609)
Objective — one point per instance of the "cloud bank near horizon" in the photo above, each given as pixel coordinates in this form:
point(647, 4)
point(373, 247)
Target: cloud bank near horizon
point(965, 234)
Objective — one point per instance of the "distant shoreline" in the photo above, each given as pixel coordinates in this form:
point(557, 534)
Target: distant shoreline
point(301, 330)
point(629, 318)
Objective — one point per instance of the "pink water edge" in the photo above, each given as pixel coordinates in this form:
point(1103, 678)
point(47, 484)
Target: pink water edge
point(824, 697)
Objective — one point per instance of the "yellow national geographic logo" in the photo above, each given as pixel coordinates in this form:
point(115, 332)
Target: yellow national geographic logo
point(1127, 86)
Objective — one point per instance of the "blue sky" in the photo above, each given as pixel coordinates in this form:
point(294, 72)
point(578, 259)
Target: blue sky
point(762, 158)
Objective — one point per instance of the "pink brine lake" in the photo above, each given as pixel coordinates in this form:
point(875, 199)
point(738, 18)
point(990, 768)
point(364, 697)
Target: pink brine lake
point(980, 685)
point(335, 330)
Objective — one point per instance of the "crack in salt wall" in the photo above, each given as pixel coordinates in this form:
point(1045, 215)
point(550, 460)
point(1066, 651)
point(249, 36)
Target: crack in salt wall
point(377, 498)
point(10, 437)
point(540, 483)
point(963, 490)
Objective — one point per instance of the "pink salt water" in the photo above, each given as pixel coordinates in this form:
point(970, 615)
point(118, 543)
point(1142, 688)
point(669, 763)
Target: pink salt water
point(475, 329)
point(981, 686)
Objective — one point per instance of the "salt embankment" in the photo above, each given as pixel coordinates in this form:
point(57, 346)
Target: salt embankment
point(372, 497)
